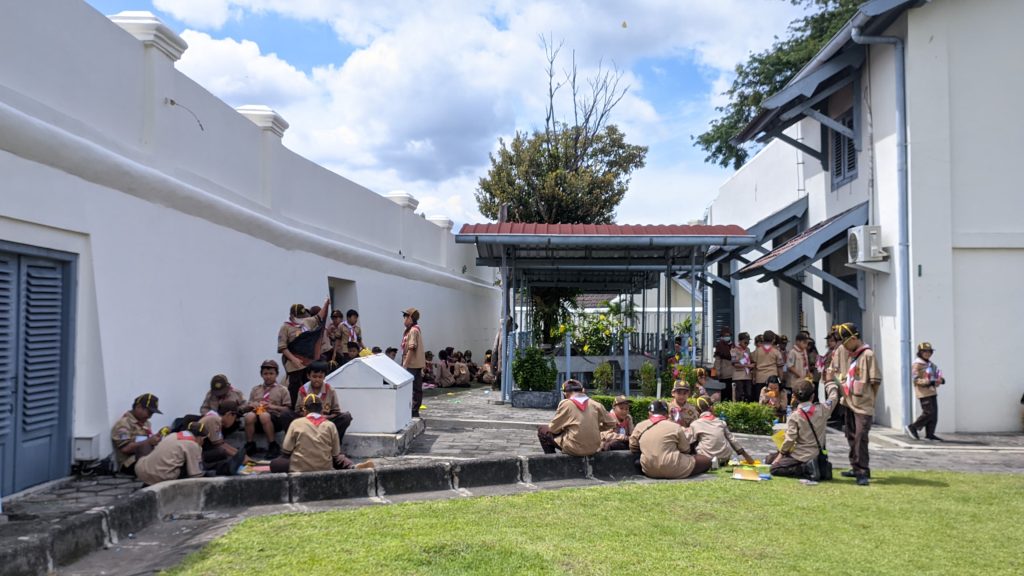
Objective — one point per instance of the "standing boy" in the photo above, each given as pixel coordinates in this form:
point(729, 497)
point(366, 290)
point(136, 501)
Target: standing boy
point(767, 361)
point(742, 376)
point(299, 321)
point(798, 366)
point(862, 381)
point(413, 358)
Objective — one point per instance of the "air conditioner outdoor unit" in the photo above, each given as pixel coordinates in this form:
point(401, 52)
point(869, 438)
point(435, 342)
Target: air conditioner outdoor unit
point(864, 244)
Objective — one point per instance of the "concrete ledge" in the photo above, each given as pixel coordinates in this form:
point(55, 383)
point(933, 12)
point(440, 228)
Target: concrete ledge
point(546, 467)
point(614, 465)
point(26, 557)
point(132, 514)
point(416, 478)
point(77, 536)
point(178, 496)
point(366, 445)
point(336, 485)
point(244, 491)
point(486, 472)
point(458, 423)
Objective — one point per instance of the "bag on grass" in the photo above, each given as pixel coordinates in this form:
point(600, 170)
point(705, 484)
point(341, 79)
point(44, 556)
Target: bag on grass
point(822, 468)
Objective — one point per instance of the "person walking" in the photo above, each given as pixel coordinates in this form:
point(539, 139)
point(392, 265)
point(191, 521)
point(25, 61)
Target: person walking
point(413, 358)
point(927, 378)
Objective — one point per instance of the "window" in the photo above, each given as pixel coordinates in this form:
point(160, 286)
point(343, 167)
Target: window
point(844, 154)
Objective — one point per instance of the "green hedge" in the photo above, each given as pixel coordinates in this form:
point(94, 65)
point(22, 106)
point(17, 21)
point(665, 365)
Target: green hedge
point(743, 417)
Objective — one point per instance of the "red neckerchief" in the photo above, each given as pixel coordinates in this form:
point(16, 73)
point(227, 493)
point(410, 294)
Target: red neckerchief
point(809, 412)
point(267, 390)
point(766, 347)
point(707, 416)
point(316, 419)
point(144, 424)
point(184, 435)
point(851, 375)
point(657, 418)
point(581, 404)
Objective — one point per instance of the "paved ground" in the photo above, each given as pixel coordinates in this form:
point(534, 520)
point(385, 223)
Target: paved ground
point(467, 424)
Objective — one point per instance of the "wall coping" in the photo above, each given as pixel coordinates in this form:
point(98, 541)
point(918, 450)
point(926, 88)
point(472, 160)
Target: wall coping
point(151, 31)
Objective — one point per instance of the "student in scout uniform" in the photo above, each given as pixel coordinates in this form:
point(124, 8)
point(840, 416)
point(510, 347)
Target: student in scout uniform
point(219, 456)
point(460, 371)
point(179, 455)
point(927, 378)
point(742, 374)
point(330, 408)
point(665, 449)
point(221, 390)
point(863, 378)
point(680, 410)
point(712, 437)
point(577, 425)
point(351, 331)
point(299, 321)
point(312, 443)
point(722, 369)
point(775, 397)
point(132, 435)
point(333, 331)
point(798, 366)
point(617, 438)
point(268, 409)
point(429, 376)
point(767, 360)
point(805, 432)
point(467, 357)
point(412, 356)
point(445, 378)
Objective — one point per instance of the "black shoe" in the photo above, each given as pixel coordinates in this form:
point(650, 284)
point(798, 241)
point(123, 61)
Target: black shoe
point(935, 438)
point(273, 451)
point(250, 448)
point(862, 481)
point(848, 474)
point(911, 432)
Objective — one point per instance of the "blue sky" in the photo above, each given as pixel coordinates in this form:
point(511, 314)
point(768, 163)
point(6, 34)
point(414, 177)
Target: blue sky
point(406, 95)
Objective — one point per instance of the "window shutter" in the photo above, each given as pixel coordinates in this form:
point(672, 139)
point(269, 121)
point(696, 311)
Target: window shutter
point(851, 150)
point(43, 289)
point(8, 289)
point(837, 155)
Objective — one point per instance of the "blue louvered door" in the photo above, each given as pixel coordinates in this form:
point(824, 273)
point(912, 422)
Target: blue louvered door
point(35, 443)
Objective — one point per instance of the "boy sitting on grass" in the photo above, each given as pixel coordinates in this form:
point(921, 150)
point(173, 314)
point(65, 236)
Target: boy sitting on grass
point(712, 436)
point(805, 431)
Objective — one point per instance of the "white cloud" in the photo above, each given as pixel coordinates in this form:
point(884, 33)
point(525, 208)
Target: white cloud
point(432, 85)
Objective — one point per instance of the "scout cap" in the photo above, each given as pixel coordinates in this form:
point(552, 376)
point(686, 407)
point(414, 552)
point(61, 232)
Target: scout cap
point(925, 347)
point(412, 313)
point(148, 401)
point(219, 385)
point(312, 400)
point(198, 429)
point(572, 385)
point(803, 390)
point(681, 385)
point(846, 331)
point(269, 364)
point(620, 399)
point(298, 310)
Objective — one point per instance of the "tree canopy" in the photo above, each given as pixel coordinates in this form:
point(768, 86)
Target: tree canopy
point(767, 72)
point(572, 172)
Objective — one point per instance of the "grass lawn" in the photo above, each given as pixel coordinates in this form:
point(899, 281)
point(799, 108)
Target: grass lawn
point(909, 523)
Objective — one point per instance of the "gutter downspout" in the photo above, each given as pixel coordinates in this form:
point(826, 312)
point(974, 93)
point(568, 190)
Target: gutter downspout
point(902, 183)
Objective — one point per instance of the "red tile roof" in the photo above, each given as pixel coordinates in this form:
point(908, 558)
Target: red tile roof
point(602, 229)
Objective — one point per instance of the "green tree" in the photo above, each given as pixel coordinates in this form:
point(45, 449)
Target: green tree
point(767, 72)
point(572, 172)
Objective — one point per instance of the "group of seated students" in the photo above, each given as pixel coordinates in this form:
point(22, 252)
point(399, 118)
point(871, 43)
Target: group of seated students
point(197, 444)
point(690, 442)
point(454, 368)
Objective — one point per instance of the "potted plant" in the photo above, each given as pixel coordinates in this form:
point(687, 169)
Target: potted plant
point(534, 375)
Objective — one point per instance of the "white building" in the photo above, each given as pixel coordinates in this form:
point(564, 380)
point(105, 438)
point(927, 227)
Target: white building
point(152, 236)
point(832, 161)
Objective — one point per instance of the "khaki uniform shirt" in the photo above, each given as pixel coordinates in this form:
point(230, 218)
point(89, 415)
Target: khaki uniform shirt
point(327, 395)
point(925, 378)
point(682, 415)
point(838, 365)
point(288, 332)
point(766, 363)
point(724, 366)
point(276, 396)
point(714, 438)
point(313, 443)
point(578, 431)
point(621, 431)
point(412, 349)
point(212, 402)
point(346, 335)
point(799, 440)
point(165, 461)
point(444, 375)
point(125, 431)
point(664, 449)
point(461, 373)
point(742, 363)
point(797, 366)
point(211, 423)
point(860, 389)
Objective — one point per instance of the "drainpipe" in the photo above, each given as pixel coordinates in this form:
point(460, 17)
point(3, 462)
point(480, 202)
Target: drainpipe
point(903, 248)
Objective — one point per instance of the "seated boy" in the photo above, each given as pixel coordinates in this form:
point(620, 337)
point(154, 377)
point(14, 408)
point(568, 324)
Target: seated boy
point(577, 425)
point(268, 409)
point(664, 448)
point(330, 408)
point(804, 432)
point(712, 437)
point(460, 371)
point(680, 410)
point(178, 455)
point(774, 396)
point(312, 443)
point(618, 437)
point(219, 456)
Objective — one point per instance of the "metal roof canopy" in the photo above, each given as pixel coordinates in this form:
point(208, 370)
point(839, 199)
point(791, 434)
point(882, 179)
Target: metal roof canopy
point(596, 258)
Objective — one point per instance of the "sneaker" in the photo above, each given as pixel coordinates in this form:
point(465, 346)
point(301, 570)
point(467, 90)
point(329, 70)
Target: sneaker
point(250, 449)
point(273, 451)
point(862, 481)
point(934, 438)
point(911, 432)
point(848, 474)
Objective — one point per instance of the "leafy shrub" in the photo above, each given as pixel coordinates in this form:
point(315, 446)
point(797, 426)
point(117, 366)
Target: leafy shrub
point(648, 381)
point(603, 377)
point(742, 417)
point(532, 370)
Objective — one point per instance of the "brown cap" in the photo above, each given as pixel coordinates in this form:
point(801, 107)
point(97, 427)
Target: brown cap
point(149, 401)
point(681, 385)
point(925, 347)
point(219, 385)
point(270, 364)
point(413, 313)
point(298, 310)
point(620, 399)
